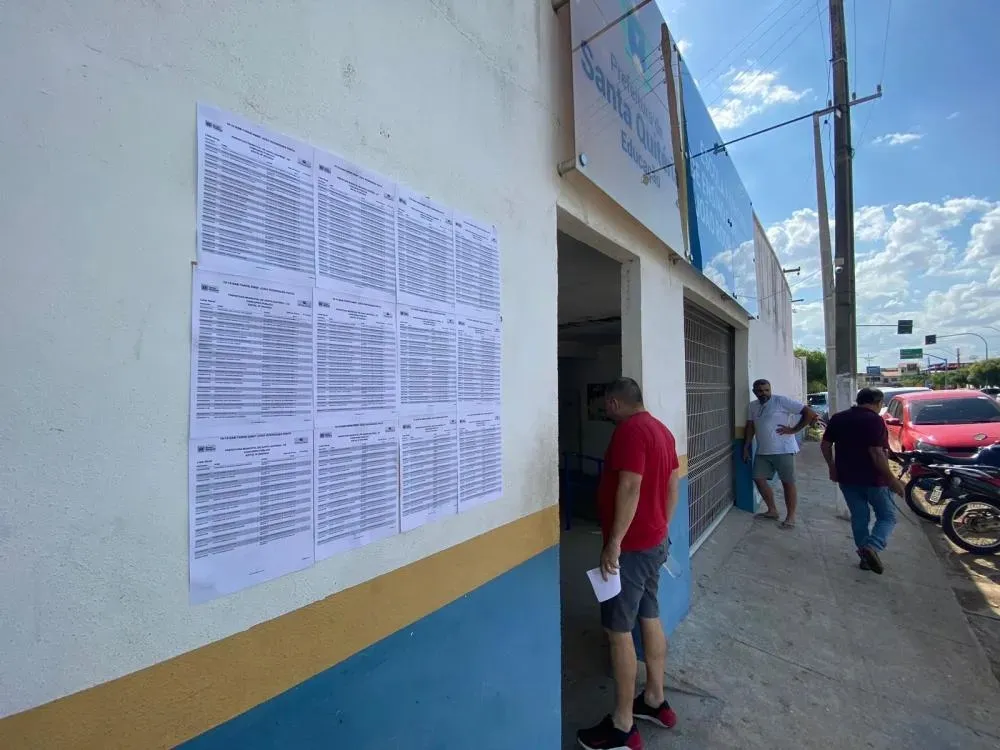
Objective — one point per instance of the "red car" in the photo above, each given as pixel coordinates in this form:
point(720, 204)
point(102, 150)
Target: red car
point(954, 422)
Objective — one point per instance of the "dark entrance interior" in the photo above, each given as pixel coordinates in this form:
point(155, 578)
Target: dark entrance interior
point(590, 355)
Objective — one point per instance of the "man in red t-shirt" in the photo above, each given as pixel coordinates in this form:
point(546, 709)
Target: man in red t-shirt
point(636, 498)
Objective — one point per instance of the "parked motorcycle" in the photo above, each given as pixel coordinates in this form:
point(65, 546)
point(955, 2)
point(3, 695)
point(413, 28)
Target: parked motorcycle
point(971, 519)
point(927, 495)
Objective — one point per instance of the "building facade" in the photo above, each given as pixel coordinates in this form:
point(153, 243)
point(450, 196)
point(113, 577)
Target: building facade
point(422, 639)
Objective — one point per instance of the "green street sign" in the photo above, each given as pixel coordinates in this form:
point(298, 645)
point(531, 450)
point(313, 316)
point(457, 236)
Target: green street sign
point(905, 354)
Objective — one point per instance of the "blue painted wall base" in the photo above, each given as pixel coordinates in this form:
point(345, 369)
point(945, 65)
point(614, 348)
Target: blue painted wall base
point(484, 672)
point(743, 475)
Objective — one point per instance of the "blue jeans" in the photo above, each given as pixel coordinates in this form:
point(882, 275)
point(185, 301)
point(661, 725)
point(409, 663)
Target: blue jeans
point(859, 498)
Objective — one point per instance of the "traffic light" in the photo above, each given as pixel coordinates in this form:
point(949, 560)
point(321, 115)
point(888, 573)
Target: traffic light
point(904, 327)
point(930, 340)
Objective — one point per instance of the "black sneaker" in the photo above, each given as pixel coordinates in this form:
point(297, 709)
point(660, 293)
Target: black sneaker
point(606, 736)
point(870, 556)
point(864, 563)
point(663, 716)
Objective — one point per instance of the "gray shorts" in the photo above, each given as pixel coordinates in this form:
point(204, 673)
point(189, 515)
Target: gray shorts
point(782, 464)
point(640, 574)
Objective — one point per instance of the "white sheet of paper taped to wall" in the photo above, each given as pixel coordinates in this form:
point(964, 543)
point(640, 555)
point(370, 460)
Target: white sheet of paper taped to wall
point(604, 590)
point(477, 266)
point(428, 360)
point(480, 451)
point(429, 468)
point(425, 252)
point(355, 229)
point(356, 355)
point(252, 355)
point(251, 510)
point(357, 482)
point(256, 200)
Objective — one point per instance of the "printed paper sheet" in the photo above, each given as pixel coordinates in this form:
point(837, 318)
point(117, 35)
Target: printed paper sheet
point(355, 229)
point(429, 462)
point(357, 483)
point(251, 514)
point(256, 200)
point(252, 354)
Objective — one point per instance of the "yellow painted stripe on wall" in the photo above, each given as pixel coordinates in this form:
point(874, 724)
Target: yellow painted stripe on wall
point(683, 465)
point(740, 431)
point(178, 699)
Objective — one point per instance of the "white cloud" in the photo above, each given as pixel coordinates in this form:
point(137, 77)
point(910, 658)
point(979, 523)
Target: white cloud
point(748, 93)
point(984, 242)
point(683, 45)
point(897, 139)
point(870, 223)
point(937, 263)
point(953, 116)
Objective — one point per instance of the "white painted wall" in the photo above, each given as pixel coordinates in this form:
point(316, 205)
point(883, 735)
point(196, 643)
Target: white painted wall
point(801, 375)
point(771, 352)
point(97, 219)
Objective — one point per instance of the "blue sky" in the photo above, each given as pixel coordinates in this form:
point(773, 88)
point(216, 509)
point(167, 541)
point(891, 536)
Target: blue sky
point(927, 161)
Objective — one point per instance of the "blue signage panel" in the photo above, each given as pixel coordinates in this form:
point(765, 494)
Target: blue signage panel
point(719, 208)
point(874, 370)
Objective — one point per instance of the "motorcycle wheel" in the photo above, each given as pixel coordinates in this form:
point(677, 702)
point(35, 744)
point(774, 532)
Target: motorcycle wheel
point(973, 523)
point(930, 503)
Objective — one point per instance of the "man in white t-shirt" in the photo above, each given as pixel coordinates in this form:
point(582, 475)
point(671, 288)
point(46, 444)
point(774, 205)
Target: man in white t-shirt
point(775, 421)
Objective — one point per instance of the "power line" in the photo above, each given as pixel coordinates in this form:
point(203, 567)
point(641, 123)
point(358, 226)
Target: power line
point(749, 33)
point(754, 64)
point(803, 282)
point(881, 75)
point(828, 74)
point(829, 147)
point(761, 66)
point(719, 148)
point(885, 42)
point(828, 57)
point(855, 56)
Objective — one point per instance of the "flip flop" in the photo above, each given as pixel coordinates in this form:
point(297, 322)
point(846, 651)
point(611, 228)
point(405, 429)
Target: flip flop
point(786, 525)
point(766, 516)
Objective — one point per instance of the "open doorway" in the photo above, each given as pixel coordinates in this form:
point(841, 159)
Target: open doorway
point(590, 356)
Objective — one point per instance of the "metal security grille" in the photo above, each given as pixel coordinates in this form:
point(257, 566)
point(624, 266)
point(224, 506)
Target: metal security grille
point(708, 359)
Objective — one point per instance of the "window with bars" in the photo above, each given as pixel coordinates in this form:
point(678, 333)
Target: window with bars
point(709, 375)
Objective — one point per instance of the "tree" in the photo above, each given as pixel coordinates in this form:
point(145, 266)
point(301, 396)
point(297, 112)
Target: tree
point(950, 379)
point(815, 368)
point(985, 372)
point(815, 386)
point(912, 381)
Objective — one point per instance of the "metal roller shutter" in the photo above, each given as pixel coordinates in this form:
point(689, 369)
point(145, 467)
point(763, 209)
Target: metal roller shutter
point(709, 365)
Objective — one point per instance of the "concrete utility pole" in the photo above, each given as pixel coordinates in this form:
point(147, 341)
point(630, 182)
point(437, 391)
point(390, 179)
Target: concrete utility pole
point(826, 260)
point(826, 269)
point(846, 331)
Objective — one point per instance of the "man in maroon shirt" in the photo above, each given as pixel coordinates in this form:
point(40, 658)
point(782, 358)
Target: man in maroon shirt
point(855, 447)
point(636, 498)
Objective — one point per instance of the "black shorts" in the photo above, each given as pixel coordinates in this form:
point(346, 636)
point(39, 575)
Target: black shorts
point(640, 574)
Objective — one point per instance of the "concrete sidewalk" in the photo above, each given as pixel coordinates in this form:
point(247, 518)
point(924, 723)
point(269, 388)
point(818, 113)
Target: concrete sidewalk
point(790, 645)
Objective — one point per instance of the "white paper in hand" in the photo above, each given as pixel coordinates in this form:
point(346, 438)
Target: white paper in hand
point(604, 590)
